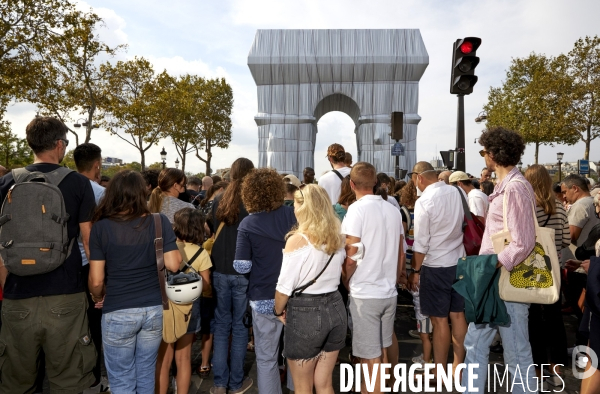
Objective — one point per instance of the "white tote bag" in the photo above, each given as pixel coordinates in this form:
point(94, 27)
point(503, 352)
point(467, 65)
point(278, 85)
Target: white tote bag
point(537, 278)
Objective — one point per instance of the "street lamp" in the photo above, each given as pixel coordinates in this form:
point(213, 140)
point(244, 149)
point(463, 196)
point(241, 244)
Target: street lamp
point(559, 157)
point(163, 157)
point(84, 124)
point(481, 117)
point(520, 165)
point(177, 162)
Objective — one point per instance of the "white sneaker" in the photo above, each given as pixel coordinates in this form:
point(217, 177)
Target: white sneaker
point(174, 384)
point(581, 360)
point(419, 360)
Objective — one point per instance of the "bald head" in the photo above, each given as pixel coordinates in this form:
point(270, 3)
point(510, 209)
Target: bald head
point(426, 170)
point(445, 176)
point(207, 182)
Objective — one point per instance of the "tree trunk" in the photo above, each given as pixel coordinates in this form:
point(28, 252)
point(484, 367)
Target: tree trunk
point(88, 129)
point(537, 151)
point(183, 155)
point(588, 140)
point(208, 157)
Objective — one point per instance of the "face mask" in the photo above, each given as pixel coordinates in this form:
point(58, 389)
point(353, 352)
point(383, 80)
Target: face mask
point(419, 192)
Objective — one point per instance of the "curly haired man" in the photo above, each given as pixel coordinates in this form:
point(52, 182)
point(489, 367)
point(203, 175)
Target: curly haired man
point(502, 150)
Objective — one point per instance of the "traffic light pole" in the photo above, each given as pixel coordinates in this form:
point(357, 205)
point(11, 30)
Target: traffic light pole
point(397, 171)
point(459, 155)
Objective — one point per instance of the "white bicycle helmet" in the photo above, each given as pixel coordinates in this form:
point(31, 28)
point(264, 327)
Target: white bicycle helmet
point(184, 288)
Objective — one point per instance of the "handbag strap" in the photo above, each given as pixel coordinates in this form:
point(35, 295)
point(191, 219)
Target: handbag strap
point(504, 206)
point(299, 290)
point(547, 220)
point(160, 259)
point(464, 203)
point(219, 231)
point(194, 257)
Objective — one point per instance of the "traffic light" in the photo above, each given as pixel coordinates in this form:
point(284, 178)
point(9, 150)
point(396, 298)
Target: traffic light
point(397, 125)
point(464, 61)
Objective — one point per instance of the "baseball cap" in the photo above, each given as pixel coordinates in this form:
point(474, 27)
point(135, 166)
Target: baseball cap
point(458, 176)
point(293, 180)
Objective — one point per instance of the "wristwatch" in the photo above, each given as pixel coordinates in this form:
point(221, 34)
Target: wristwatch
point(416, 271)
point(280, 314)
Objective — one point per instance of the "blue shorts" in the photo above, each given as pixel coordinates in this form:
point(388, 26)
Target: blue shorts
point(194, 325)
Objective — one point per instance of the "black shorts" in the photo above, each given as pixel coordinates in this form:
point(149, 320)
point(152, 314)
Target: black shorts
point(438, 298)
point(314, 325)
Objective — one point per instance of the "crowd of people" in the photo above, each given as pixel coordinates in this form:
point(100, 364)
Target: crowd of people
point(288, 268)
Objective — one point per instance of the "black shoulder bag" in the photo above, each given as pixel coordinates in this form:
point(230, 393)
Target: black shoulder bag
point(300, 289)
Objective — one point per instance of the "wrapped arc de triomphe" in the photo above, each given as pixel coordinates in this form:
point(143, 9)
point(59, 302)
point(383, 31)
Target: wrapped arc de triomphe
point(303, 74)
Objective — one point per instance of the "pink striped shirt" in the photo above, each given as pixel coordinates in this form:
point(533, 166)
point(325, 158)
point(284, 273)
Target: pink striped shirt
point(519, 205)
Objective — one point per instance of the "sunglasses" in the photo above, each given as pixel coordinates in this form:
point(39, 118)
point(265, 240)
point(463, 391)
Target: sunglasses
point(410, 174)
point(65, 141)
point(482, 153)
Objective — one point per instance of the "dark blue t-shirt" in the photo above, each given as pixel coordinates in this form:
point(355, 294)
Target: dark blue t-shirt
point(261, 239)
point(128, 250)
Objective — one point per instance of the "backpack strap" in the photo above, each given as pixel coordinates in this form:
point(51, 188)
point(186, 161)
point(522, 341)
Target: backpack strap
point(339, 175)
point(20, 175)
point(55, 177)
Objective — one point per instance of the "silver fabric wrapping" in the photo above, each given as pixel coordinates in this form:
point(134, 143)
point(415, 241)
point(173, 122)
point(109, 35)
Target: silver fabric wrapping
point(303, 74)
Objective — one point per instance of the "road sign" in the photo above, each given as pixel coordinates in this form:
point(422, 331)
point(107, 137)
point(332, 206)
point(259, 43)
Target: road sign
point(584, 167)
point(398, 149)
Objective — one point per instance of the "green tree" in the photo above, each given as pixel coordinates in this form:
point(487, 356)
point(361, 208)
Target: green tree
point(214, 128)
point(69, 82)
point(14, 152)
point(132, 103)
point(27, 27)
point(582, 89)
point(183, 107)
point(529, 102)
point(113, 170)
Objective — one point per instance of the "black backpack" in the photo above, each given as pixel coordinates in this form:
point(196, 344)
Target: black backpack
point(33, 223)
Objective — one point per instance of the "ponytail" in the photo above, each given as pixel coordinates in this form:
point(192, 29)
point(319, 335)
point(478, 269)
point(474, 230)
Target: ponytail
point(156, 199)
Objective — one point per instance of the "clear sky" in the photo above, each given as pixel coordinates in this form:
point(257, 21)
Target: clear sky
point(213, 38)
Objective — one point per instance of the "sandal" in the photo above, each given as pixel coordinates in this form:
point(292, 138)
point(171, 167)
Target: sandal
point(250, 347)
point(203, 372)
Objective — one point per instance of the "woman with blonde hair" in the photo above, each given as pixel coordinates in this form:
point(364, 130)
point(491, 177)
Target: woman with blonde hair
point(546, 326)
point(165, 197)
point(307, 296)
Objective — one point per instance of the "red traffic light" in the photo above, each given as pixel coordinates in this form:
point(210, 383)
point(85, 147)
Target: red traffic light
point(466, 47)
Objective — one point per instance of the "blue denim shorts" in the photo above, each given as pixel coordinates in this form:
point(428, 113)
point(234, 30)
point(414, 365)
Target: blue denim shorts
point(315, 323)
point(194, 325)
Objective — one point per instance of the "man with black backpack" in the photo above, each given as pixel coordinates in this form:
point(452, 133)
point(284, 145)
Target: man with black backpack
point(45, 208)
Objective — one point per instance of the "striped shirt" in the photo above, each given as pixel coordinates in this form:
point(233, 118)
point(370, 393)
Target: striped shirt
point(520, 219)
point(559, 222)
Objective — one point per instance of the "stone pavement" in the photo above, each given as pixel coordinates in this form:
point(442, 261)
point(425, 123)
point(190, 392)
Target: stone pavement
point(409, 348)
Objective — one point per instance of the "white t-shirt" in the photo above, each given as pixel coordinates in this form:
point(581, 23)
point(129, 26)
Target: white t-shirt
point(379, 226)
point(393, 201)
point(304, 264)
point(438, 223)
point(333, 184)
point(478, 203)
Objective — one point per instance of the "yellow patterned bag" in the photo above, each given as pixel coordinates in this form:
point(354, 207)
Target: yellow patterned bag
point(536, 279)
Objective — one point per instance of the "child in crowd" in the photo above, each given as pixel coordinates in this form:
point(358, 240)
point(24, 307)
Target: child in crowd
point(188, 225)
point(424, 328)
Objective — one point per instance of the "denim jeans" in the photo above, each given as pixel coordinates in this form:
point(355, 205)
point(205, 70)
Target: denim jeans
point(517, 351)
point(229, 293)
point(131, 338)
